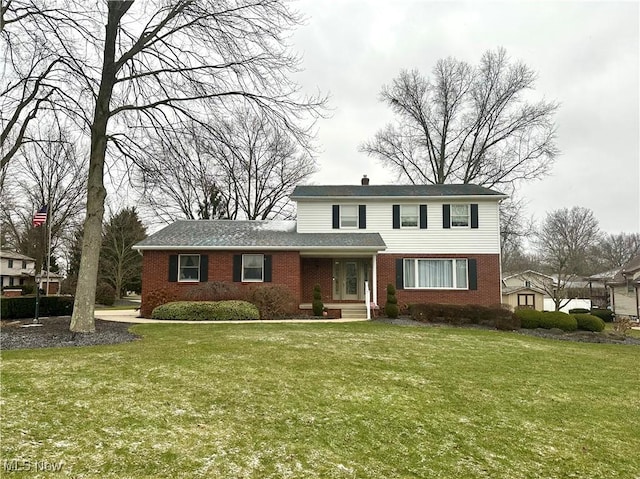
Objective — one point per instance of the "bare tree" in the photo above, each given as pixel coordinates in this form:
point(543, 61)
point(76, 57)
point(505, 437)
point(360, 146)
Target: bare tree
point(565, 241)
point(46, 172)
point(616, 250)
point(466, 124)
point(260, 164)
point(132, 68)
point(178, 176)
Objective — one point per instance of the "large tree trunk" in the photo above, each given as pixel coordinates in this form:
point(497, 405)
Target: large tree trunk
point(82, 320)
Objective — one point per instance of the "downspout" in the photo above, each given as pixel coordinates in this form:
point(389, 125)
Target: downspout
point(500, 255)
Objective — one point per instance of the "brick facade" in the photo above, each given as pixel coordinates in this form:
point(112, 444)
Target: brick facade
point(155, 270)
point(488, 278)
point(301, 274)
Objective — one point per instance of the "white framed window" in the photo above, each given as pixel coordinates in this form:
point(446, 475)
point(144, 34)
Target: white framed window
point(348, 216)
point(253, 267)
point(189, 267)
point(409, 216)
point(421, 273)
point(460, 216)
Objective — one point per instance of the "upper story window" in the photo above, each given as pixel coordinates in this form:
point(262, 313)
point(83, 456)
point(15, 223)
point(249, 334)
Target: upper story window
point(348, 216)
point(189, 267)
point(10, 263)
point(24, 265)
point(253, 267)
point(460, 216)
point(409, 216)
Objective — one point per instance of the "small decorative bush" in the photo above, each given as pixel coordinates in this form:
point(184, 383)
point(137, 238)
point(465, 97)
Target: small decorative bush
point(605, 314)
point(559, 320)
point(579, 311)
point(317, 305)
point(391, 308)
point(622, 325)
point(273, 301)
point(589, 322)
point(105, 294)
point(207, 311)
point(156, 298)
point(529, 318)
point(213, 291)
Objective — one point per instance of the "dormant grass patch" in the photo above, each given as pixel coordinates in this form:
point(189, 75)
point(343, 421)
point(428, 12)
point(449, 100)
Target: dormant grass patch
point(358, 400)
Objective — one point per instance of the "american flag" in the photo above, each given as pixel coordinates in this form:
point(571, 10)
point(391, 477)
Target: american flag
point(41, 216)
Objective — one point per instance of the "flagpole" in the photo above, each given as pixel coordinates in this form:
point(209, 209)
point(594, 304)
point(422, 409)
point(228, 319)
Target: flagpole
point(49, 216)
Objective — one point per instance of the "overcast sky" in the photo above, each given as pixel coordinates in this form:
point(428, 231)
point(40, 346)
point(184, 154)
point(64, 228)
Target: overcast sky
point(586, 55)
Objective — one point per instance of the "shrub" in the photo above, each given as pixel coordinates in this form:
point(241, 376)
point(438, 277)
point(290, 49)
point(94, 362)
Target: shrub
point(622, 325)
point(391, 308)
point(317, 305)
point(529, 318)
point(496, 316)
point(25, 307)
point(105, 294)
point(579, 311)
point(558, 319)
point(589, 322)
point(213, 291)
point(273, 301)
point(156, 298)
point(605, 314)
point(206, 310)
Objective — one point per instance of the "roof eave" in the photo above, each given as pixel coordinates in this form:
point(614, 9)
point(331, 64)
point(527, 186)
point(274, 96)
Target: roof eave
point(404, 197)
point(258, 248)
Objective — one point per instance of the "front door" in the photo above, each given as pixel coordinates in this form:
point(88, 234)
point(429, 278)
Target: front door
point(349, 276)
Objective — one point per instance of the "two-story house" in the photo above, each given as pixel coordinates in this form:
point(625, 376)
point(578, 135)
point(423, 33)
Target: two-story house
point(435, 243)
point(16, 269)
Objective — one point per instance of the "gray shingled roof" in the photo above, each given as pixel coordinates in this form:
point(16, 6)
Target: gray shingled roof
point(377, 191)
point(228, 234)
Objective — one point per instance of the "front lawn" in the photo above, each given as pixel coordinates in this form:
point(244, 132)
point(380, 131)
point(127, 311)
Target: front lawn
point(350, 400)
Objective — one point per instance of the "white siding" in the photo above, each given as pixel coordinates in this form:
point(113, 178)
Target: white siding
point(316, 217)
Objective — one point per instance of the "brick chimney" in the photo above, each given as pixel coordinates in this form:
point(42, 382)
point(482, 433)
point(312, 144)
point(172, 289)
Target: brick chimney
point(364, 181)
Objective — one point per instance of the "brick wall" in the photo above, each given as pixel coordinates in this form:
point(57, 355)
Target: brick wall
point(155, 271)
point(317, 271)
point(488, 292)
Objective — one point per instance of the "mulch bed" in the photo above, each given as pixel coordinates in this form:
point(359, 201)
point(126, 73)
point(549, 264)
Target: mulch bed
point(55, 333)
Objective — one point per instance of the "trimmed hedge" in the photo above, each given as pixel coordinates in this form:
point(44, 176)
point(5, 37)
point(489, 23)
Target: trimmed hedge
point(496, 316)
point(206, 310)
point(589, 322)
point(605, 314)
point(25, 307)
point(532, 319)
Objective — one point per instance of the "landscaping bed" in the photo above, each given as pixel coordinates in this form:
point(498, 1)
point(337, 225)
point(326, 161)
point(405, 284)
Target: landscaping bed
point(55, 333)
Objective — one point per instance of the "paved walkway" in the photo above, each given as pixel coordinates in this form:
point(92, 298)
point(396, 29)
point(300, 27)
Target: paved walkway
point(131, 316)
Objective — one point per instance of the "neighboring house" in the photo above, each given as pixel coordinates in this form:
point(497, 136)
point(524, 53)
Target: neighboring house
point(526, 289)
point(625, 290)
point(435, 243)
point(16, 269)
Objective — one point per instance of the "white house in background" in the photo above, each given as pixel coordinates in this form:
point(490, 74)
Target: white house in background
point(625, 290)
point(16, 269)
point(525, 289)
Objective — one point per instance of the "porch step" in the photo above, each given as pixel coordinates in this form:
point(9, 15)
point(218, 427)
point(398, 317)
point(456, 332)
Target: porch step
point(352, 313)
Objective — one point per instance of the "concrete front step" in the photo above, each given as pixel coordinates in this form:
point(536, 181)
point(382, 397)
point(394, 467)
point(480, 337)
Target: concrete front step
point(347, 310)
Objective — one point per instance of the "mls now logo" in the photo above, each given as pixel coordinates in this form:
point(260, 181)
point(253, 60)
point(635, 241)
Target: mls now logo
point(15, 465)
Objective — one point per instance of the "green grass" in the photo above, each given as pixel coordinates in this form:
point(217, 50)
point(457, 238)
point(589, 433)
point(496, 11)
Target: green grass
point(351, 400)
